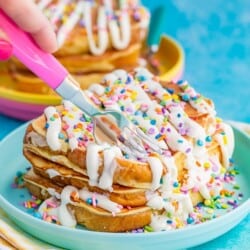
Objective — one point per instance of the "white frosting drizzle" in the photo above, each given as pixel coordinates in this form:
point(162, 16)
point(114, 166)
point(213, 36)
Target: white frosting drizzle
point(68, 26)
point(119, 37)
point(54, 128)
point(58, 11)
point(156, 168)
point(158, 202)
point(102, 29)
point(110, 78)
point(61, 212)
point(185, 205)
point(106, 178)
point(71, 121)
point(158, 223)
point(102, 201)
point(97, 89)
point(171, 176)
point(107, 25)
point(52, 172)
point(201, 105)
point(65, 216)
point(54, 193)
point(93, 162)
point(176, 141)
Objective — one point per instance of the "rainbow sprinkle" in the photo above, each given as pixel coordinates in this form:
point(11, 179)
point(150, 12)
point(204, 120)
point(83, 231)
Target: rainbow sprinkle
point(228, 199)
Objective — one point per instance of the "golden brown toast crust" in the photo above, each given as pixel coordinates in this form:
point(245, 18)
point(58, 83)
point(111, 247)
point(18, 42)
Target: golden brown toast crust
point(94, 218)
point(121, 194)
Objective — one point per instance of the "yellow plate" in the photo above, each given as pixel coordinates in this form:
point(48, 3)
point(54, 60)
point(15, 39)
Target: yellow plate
point(25, 106)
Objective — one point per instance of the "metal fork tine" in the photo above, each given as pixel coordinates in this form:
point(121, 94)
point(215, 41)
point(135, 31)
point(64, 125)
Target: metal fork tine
point(131, 136)
point(150, 141)
point(134, 141)
point(130, 151)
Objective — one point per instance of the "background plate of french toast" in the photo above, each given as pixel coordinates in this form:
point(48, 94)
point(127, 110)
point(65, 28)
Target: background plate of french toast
point(89, 47)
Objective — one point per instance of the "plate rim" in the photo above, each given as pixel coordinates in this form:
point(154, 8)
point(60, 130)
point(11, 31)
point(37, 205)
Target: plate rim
point(36, 98)
point(241, 212)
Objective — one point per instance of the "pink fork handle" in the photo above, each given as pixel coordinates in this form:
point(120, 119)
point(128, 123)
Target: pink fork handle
point(42, 64)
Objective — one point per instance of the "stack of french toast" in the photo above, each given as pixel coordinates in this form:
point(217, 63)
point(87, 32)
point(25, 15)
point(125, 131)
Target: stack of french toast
point(90, 172)
point(94, 37)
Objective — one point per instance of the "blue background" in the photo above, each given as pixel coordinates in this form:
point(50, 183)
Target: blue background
point(215, 36)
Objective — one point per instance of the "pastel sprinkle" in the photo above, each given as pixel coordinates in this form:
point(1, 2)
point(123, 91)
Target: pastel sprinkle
point(176, 184)
point(208, 139)
point(200, 143)
point(153, 122)
point(185, 97)
point(236, 186)
point(190, 220)
point(224, 206)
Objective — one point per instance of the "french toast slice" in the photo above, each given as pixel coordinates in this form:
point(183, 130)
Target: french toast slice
point(92, 217)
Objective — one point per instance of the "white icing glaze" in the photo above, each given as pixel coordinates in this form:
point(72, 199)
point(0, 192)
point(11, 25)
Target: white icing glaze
point(222, 140)
point(110, 78)
point(65, 29)
point(102, 201)
point(54, 128)
point(171, 176)
point(158, 223)
point(226, 142)
point(106, 178)
point(62, 212)
point(97, 89)
point(195, 152)
point(93, 162)
point(185, 205)
point(111, 24)
point(119, 37)
point(52, 172)
point(60, 209)
point(73, 119)
point(121, 74)
point(58, 11)
point(156, 168)
point(54, 193)
point(155, 201)
point(65, 216)
point(101, 26)
point(143, 71)
point(159, 202)
point(199, 104)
